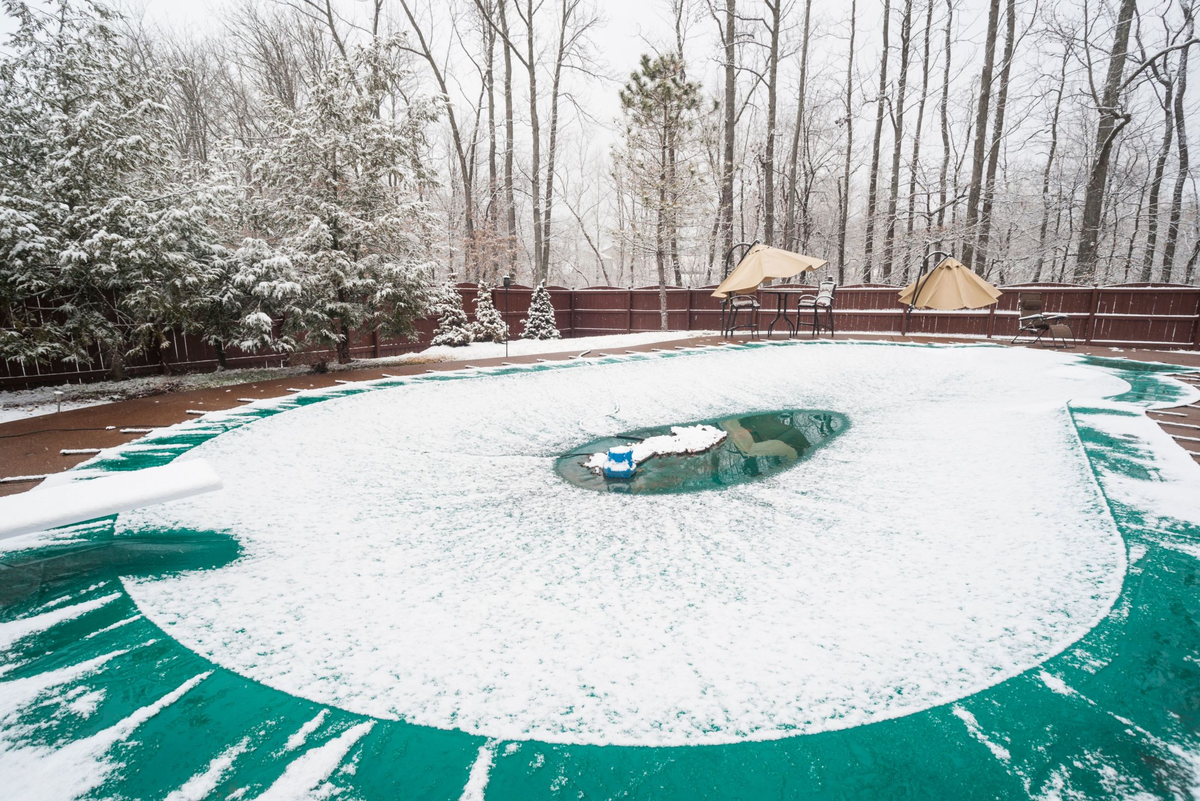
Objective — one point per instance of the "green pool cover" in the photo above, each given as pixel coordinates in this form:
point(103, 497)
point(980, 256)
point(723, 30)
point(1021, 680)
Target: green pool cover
point(86, 680)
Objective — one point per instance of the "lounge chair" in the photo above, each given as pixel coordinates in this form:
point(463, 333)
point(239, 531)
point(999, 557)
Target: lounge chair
point(822, 301)
point(741, 304)
point(1034, 321)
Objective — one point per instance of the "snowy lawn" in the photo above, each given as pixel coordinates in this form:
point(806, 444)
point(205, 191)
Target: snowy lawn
point(19, 404)
point(440, 572)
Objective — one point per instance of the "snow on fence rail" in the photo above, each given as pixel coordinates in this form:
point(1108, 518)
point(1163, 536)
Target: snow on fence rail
point(1135, 315)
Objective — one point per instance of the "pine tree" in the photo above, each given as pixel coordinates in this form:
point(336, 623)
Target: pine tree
point(540, 322)
point(96, 223)
point(335, 184)
point(452, 326)
point(489, 325)
point(660, 105)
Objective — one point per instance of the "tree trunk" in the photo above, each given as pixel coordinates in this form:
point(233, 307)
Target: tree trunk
point(873, 181)
point(222, 359)
point(726, 203)
point(535, 166)
point(981, 119)
point(510, 205)
point(889, 240)
point(1181, 143)
point(1111, 123)
point(116, 359)
point(1062, 83)
point(789, 223)
point(673, 218)
point(989, 189)
point(455, 135)
point(915, 161)
point(343, 345)
point(844, 209)
point(660, 256)
point(1137, 224)
point(1160, 167)
point(945, 119)
point(490, 83)
point(567, 9)
point(769, 156)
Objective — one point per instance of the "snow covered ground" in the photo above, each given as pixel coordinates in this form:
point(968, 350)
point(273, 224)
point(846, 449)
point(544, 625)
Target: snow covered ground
point(449, 577)
point(19, 404)
point(533, 347)
point(22, 403)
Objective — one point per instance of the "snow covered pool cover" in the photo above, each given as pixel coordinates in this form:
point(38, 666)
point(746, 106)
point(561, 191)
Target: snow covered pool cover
point(397, 569)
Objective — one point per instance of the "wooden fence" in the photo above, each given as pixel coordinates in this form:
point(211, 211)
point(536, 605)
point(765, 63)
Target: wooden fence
point(1162, 316)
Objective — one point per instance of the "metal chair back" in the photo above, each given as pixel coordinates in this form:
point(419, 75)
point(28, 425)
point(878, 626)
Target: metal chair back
point(825, 292)
point(1029, 304)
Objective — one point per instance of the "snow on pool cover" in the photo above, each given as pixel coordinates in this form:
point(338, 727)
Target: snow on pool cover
point(401, 563)
point(411, 554)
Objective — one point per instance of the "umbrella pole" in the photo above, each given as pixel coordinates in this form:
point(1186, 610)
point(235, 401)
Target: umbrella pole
point(747, 245)
point(925, 273)
point(725, 301)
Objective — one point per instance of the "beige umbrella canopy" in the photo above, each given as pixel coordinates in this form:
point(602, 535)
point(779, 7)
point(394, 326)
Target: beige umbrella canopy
point(761, 263)
point(949, 286)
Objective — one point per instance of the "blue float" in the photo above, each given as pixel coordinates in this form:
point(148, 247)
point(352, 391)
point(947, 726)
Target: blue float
point(620, 463)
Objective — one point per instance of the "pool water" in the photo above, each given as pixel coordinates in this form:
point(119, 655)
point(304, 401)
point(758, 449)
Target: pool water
point(758, 445)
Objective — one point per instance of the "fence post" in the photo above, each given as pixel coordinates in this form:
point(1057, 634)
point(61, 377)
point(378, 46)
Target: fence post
point(1196, 333)
point(687, 326)
point(571, 313)
point(629, 312)
point(1091, 320)
point(375, 341)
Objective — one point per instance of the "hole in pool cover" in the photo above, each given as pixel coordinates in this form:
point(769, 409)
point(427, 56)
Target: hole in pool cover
point(756, 445)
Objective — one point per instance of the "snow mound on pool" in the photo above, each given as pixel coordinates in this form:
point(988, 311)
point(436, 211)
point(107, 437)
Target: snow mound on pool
point(411, 553)
point(682, 439)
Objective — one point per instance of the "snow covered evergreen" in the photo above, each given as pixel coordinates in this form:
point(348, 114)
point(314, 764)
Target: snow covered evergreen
point(452, 326)
point(334, 188)
point(102, 236)
point(540, 322)
point(489, 325)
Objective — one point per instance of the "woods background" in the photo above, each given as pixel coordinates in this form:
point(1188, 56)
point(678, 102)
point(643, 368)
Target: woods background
point(579, 143)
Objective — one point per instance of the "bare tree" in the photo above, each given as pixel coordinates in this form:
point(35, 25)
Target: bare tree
point(944, 109)
point(1164, 79)
point(889, 241)
point(768, 162)
point(789, 224)
point(844, 185)
point(730, 115)
point(456, 137)
point(981, 120)
point(873, 180)
point(989, 189)
point(1058, 96)
point(914, 164)
point(1181, 176)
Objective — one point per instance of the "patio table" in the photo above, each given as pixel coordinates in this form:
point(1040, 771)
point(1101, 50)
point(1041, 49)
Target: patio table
point(785, 294)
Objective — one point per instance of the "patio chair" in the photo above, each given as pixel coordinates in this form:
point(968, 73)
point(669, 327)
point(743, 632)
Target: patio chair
point(1033, 320)
point(736, 305)
point(822, 301)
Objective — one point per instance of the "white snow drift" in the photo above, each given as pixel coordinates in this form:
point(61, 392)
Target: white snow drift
point(682, 439)
point(411, 553)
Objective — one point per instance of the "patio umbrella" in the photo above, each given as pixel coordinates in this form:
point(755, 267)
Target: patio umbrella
point(764, 262)
point(949, 286)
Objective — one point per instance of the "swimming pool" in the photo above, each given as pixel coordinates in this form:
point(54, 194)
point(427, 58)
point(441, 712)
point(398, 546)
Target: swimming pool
point(399, 592)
